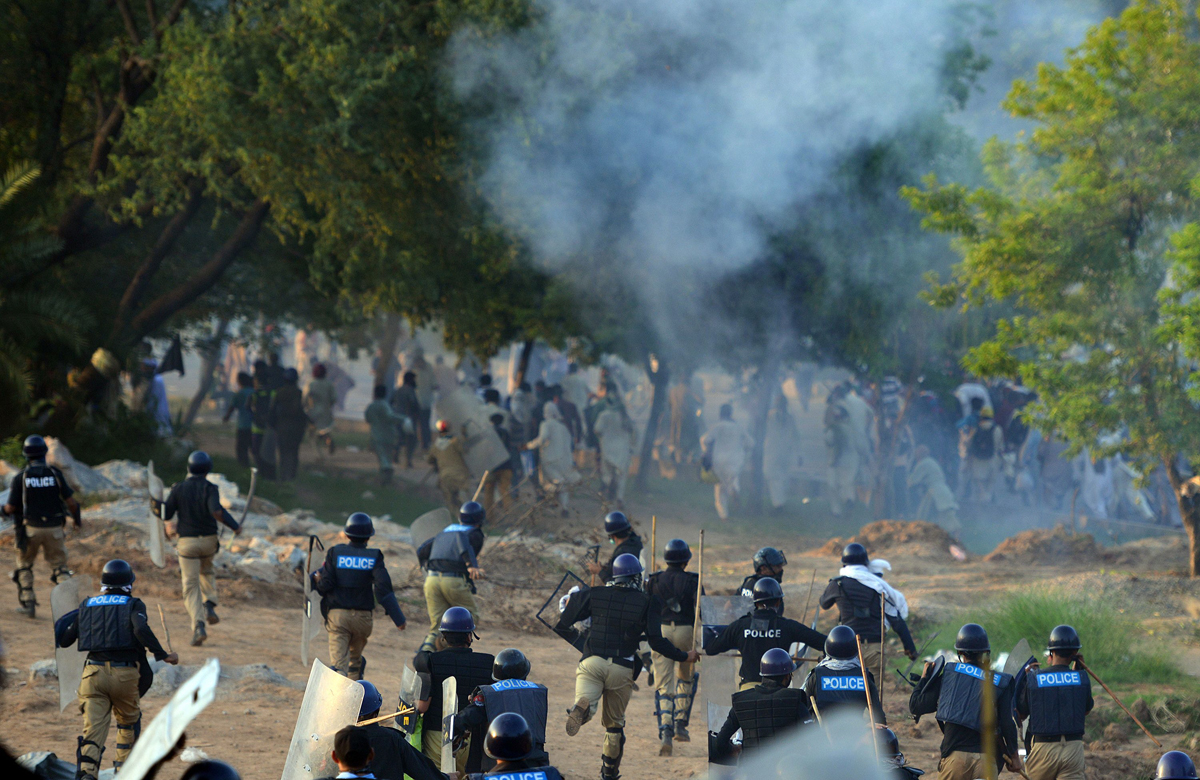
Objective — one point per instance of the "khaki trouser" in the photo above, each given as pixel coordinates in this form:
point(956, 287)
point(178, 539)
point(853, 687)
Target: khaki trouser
point(497, 481)
point(674, 680)
point(873, 653)
point(1055, 761)
point(431, 745)
point(961, 766)
point(107, 693)
point(51, 542)
point(196, 567)
point(441, 593)
point(348, 630)
point(599, 679)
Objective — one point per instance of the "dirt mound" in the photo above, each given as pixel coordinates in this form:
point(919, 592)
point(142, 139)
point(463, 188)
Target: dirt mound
point(1040, 545)
point(918, 538)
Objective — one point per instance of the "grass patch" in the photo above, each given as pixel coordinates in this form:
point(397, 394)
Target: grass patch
point(1115, 644)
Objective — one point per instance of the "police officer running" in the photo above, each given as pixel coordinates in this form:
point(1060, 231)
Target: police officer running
point(1056, 700)
point(765, 711)
point(450, 560)
point(511, 691)
point(351, 581)
point(757, 632)
point(113, 630)
point(676, 682)
point(198, 504)
point(622, 613)
point(471, 670)
point(860, 596)
point(768, 562)
point(890, 755)
point(621, 534)
point(509, 742)
point(393, 756)
point(39, 499)
point(1175, 765)
point(954, 692)
point(837, 682)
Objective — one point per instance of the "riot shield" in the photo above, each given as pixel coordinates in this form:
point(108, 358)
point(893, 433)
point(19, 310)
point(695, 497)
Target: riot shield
point(568, 584)
point(468, 415)
point(331, 702)
point(66, 596)
point(429, 525)
point(449, 710)
point(410, 691)
point(157, 534)
point(716, 612)
point(718, 683)
point(164, 731)
point(311, 622)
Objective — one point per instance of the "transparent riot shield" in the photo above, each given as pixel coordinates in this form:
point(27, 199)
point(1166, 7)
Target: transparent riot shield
point(331, 702)
point(164, 731)
point(449, 710)
point(66, 596)
point(156, 533)
point(468, 415)
point(410, 691)
point(556, 603)
point(716, 612)
point(719, 675)
point(311, 622)
point(429, 525)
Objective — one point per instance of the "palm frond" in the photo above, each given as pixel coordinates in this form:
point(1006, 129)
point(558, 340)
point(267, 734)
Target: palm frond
point(40, 318)
point(15, 379)
point(17, 178)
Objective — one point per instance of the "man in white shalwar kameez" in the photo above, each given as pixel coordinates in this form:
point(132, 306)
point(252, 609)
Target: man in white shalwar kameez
point(728, 444)
point(556, 467)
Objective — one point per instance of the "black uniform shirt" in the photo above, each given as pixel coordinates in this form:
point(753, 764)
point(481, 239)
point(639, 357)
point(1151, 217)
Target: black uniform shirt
point(195, 500)
point(924, 701)
point(677, 589)
point(395, 758)
point(859, 607)
point(68, 635)
point(41, 498)
point(631, 544)
point(756, 633)
point(579, 607)
point(452, 550)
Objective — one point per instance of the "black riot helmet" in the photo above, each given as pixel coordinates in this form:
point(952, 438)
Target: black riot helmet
point(776, 663)
point(677, 551)
point(117, 574)
point(1175, 765)
point(616, 523)
point(199, 463)
point(627, 569)
point(508, 738)
point(510, 664)
point(769, 556)
point(841, 643)
point(1063, 638)
point(889, 747)
point(35, 447)
point(359, 526)
point(854, 553)
point(766, 590)
point(210, 770)
point(471, 513)
point(972, 638)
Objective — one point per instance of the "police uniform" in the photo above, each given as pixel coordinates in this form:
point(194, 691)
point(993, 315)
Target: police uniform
point(1056, 700)
point(471, 670)
point(195, 500)
point(351, 581)
point(676, 682)
point(395, 758)
point(631, 544)
point(756, 633)
point(37, 495)
point(762, 712)
point(447, 557)
point(954, 694)
point(527, 769)
point(112, 628)
point(839, 685)
point(487, 702)
point(747, 587)
point(859, 607)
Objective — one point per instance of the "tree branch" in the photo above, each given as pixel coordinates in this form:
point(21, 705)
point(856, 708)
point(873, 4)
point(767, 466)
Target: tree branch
point(130, 22)
point(152, 16)
point(173, 14)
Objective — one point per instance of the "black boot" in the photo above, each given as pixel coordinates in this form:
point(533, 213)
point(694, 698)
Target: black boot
point(210, 613)
point(199, 635)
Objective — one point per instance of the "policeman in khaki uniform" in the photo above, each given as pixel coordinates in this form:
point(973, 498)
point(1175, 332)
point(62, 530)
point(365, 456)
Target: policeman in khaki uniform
point(676, 683)
point(511, 691)
point(197, 502)
point(1056, 700)
point(351, 581)
point(38, 500)
point(112, 628)
point(450, 562)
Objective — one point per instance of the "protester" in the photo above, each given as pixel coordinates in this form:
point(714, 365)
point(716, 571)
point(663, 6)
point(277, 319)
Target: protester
point(319, 400)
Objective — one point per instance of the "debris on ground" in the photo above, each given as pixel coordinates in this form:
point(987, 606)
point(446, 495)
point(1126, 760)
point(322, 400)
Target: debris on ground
point(1039, 545)
point(916, 537)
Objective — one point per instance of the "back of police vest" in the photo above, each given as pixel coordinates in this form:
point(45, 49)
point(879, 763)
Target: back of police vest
point(105, 623)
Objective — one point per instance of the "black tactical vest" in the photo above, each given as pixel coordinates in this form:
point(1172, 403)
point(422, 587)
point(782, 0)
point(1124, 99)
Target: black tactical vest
point(835, 687)
point(540, 773)
point(760, 633)
point(858, 607)
point(105, 623)
point(529, 700)
point(767, 710)
point(618, 621)
point(1057, 701)
point(471, 669)
point(677, 589)
point(42, 504)
point(448, 548)
point(353, 568)
point(961, 697)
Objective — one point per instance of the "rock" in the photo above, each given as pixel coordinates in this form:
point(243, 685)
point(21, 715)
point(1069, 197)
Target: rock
point(368, 495)
point(131, 511)
point(7, 469)
point(81, 477)
point(263, 571)
point(168, 678)
point(192, 754)
point(125, 474)
point(1116, 732)
point(262, 506)
point(228, 490)
point(1140, 709)
point(43, 671)
point(299, 522)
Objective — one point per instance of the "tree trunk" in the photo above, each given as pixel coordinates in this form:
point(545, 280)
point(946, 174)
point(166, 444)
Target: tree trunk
point(768, 381)
point(659, 379)
point(210, 353)
point(523, 363)
point(393, 327)
point(1187, 495)
point(887, 455)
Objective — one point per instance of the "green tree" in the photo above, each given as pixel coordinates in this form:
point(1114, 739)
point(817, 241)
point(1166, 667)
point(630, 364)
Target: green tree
point(1075, 232)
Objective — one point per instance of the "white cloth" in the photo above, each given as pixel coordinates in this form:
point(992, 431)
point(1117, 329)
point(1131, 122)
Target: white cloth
point(614, 431)
point(728, 442)
point(839, 664)
point(779, 455)
point(894, 604)
point(965, 392)
point(555, 462)
point(575, 390)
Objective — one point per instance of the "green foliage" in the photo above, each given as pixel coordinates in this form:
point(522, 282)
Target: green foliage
point(10, 450)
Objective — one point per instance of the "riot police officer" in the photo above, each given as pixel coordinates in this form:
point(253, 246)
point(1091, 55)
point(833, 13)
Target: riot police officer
point(471, 670)
point(509, 742)
point(450, 562)
point(1175, 765)
point(198, 504)
point(621, 534)
point(860, 606)
point(676, 682)
point(765, 711)
point(39, 499)
point(762, 629)
point(838, 682)
point(768, 562)
point(210, 769)
point(622, 613)
point(112, 628)
point(511, 691)
point(954, 692)
point(889, 753)
point(1056, 700)
point(394, 757)
point(351, 581)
